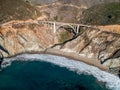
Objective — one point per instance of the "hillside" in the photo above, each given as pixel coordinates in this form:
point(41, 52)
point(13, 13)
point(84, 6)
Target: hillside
point(102, 14)
point(60, 12)
point(71, 10)
point(85, 3)
point(16, 10)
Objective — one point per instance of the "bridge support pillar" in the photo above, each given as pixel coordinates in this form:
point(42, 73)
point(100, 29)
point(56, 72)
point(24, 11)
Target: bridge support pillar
point(77, 29)
point(54, 28)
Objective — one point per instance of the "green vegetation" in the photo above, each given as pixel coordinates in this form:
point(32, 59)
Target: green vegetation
point(102, 14)
point(16, 10)
point(56, 18)
point(67, 34)
point(64, 36)
point(81, 30)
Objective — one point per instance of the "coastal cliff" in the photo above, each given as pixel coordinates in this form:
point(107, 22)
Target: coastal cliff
point(17, 37)
point(101, 45)
point(21, 37)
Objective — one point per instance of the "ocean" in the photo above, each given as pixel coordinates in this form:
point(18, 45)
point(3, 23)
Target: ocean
point(50, 72)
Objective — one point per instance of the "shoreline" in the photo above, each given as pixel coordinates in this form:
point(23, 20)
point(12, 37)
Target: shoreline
point(69, 55)
point(76, 57)
point(73, 65)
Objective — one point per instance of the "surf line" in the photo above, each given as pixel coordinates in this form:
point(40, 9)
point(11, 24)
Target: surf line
point(69, 55)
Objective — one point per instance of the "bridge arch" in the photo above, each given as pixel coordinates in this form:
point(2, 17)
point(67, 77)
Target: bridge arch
point(67, 27)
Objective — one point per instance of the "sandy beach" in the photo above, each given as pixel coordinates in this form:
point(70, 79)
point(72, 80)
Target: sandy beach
point(76, 57)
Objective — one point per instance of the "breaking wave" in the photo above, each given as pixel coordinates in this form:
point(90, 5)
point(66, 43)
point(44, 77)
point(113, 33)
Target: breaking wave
point(112, 81)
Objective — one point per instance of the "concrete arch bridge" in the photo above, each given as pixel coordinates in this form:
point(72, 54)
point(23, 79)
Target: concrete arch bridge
point(57, 25)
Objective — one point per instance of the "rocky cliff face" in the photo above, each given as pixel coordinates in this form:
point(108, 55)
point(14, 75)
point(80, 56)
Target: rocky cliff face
point(92, 43)
point(96, 44)
point(19, 37)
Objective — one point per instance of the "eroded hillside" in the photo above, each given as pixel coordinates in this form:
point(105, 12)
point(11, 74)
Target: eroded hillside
point(16, 10)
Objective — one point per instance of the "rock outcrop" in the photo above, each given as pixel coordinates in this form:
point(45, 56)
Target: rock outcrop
point(19, 37)
point(96, 44)
point(29, 36)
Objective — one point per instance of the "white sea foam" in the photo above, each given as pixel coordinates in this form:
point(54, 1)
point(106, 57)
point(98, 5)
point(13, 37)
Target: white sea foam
point(111, 81)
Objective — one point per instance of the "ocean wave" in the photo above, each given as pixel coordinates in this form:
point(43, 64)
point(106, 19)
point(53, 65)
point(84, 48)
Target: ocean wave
point(112, 81)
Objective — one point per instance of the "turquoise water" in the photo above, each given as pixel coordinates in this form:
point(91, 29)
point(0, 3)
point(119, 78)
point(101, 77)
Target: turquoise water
point(40, 75)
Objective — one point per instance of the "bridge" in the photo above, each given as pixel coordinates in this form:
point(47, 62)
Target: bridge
point(57, 25)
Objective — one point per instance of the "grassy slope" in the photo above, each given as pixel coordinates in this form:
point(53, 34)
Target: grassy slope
point(16, 10)
point(103, 14)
